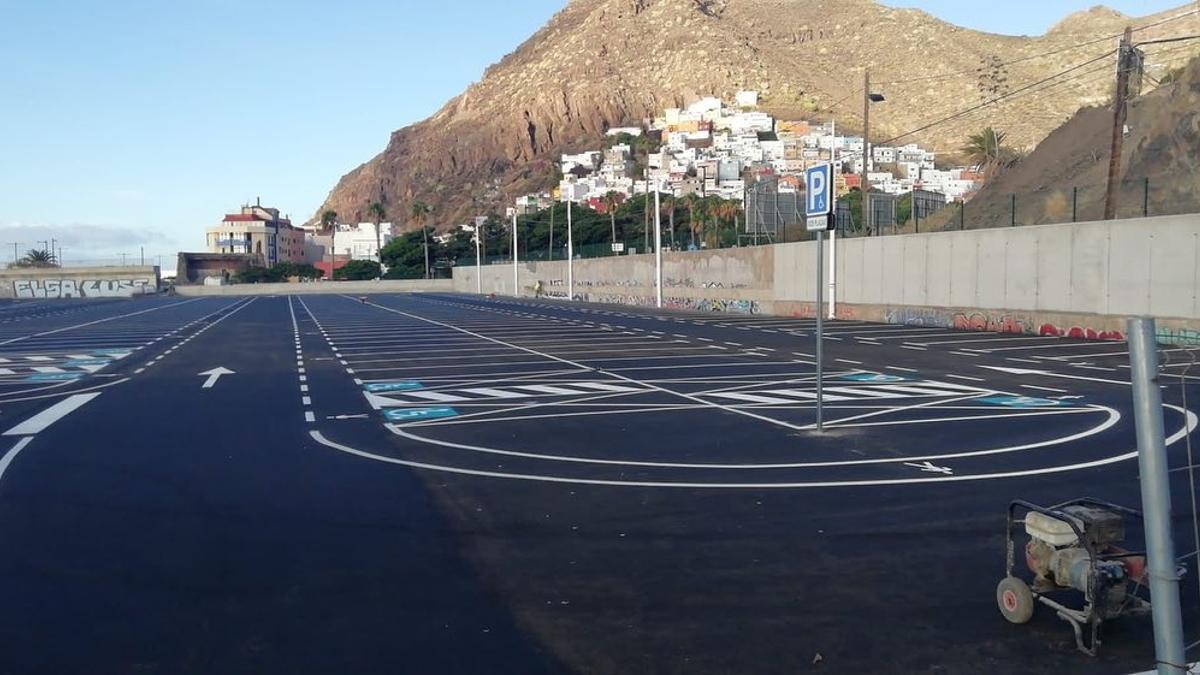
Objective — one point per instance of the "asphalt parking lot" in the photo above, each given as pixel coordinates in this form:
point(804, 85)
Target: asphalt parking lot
point(436, 483)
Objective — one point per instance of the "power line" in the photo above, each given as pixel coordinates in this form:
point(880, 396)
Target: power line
point(1002, 97)
point(1033, 57)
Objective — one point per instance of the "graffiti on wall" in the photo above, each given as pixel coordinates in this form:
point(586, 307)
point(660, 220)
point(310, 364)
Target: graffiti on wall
point(1178, 336)
point(79, 288)
point(713, 305)
point(992, 323)
point(918, 316)
point(1080, 333)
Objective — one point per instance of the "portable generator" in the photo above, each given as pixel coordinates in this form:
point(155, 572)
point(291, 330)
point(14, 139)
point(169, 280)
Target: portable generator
point(1074, 548)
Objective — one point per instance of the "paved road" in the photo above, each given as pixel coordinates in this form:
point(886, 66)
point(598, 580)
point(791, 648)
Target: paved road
point(453, 484)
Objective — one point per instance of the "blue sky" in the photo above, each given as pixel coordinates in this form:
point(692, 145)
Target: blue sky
point(127, 123)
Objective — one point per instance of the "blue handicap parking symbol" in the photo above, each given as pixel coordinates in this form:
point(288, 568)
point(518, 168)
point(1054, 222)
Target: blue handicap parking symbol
point(1024, 402)
point(871, 377)
point(384, 387)
point(53, 377)
point(411, 414)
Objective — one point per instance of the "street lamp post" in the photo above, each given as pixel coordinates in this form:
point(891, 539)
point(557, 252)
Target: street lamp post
point(516, 278)
point(478, 259)
point(658, 264)
point(868, 99)
point(570, 253)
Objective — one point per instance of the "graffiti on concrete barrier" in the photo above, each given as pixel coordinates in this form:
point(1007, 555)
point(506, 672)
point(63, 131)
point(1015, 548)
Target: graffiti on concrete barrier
point(918, 316)
point(79, 288)
point(634, 300)
point(992, 323)
point(713, 305)
point(1178, 336)
point(1080, 333)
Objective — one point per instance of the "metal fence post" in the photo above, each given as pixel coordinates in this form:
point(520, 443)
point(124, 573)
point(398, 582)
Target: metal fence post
point(1156, 498)
point(1146, 198)
point(1074, 204)
point(962, 215)
point(1013, 210)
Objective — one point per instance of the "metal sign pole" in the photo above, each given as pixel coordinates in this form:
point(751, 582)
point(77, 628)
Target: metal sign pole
point(820, 327)
point(516, 280)
point(478, 259)
point(1156, 498)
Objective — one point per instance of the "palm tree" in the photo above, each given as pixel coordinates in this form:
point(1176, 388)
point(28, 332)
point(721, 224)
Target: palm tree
point(329, 226)
point(986, 149)
point(611, 200)
point(420, 212)
point(668, 207)
point(378, 214)
point(38, 258)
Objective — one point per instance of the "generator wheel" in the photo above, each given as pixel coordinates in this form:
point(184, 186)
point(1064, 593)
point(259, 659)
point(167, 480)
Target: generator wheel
point(1015, 600)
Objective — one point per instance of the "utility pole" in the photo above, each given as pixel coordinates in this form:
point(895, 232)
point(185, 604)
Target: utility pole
point(1120, 114)
point(122, 260)
point(15, 245)
point(865, 185)
point(142, 250)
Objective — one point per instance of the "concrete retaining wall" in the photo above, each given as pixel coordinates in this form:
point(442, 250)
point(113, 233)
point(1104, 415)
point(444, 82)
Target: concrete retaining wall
point(78, 282)
point(1080, 279)
point(346, 287)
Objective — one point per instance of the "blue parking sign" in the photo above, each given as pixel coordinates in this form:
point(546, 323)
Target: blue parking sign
point(818, 183)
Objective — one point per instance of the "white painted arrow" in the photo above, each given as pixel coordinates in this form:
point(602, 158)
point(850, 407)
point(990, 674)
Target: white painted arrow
point(1046, 373)
point(214, 375)
point(929, 467)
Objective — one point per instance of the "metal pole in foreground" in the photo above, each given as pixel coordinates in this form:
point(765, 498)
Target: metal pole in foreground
point(658, 266)
point(1156, 498)
point(516, 280)
point(820, 327)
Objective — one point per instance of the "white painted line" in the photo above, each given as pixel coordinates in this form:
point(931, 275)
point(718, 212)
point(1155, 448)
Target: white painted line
point(903, 370)
point(12, 454)
point(309, 416)
point(968, 379)
point(915, 349)
point(853, 363)
point(304, 378)
point(44, 419)
point(139, 371)
point(358, 381)
point(306, 400)
point(1050, 389)
point(304, 388)
point(46, 369)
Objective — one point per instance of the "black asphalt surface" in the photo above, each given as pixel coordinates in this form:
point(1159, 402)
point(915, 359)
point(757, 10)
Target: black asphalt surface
point(454, 484)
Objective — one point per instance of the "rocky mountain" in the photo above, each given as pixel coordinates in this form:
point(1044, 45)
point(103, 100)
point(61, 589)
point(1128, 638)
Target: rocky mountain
point(604, 63)
point(1066, 175)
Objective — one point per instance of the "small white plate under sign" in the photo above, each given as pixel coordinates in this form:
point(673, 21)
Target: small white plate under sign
point(817, 223)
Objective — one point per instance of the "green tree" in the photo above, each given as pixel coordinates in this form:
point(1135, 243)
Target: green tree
point(329, 226)
point(378, 214)
point(38, 258)
point(986, 150)
point(358, 270)
point(420, 213)
point(405, 256)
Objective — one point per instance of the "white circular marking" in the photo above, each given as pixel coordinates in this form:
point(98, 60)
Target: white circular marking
point(1108, 423)
point(1189, 426)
